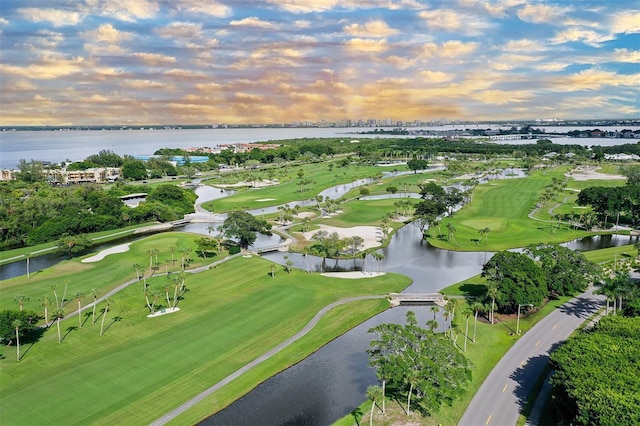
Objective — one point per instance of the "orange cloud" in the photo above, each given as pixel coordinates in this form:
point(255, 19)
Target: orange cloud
point(375, 29)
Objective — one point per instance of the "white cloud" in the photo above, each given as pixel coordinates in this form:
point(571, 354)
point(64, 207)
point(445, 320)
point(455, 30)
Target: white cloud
point(376, 29)
point(626, 22)
point(625, 55)
point(587, 37)
point(127, 10)
point(106, 33)
point(455, 21)
point(56, 17)
point(543, 14)
point(253, 22)
point(204, 7)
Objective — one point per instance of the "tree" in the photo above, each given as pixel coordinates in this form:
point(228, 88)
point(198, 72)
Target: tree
point(28, 258)
point(595, 380)
point(477, 307)
point(73, 244)
point(451, 230)
point(17, 324)
point(327, 245)
point(566, 271)
point(288, 264)
point(374, 393)
point(58, 315)
point(416, 164)
point(95, 293)
point(424, 367)
point(78, 296)
point(45, 301)
point(518, 279)
point(20, 299)
point(378, 257)
point(27, 319)
point(108, 302)
point(484, 232)
point(134, 169)
point(244, 226)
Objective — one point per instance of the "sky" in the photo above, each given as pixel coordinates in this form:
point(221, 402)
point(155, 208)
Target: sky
point(93, 62)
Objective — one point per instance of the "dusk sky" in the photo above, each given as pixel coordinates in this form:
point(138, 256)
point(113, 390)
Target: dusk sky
point(78, 62)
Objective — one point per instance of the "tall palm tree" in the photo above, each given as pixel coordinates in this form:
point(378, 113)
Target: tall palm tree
point(58, 314)
point(78, 296)
point(435, 309)
point(108, 303)
point(412, 379)
point(451, 231)
point(379, 257)
point(64, 294)
point(432, 324)
point(172, 249)
point(17, 324)
point(20, 299)
point(152, 252)
point(476, 307)
point(467, 313)
point(45, 301)
point(492, 292)
point(55, 294)
point(373, 393)
point(138, 269)
point(484, 232)
point(166, 287)
point(95, 293)
point(28, 257)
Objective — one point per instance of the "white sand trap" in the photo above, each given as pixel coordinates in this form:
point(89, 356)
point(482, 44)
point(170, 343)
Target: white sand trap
point(591, 173)
point(371, 234)
point(164, 311)
point(353, 275)
point(265, 199)
point(104, 253)
point(302, 215)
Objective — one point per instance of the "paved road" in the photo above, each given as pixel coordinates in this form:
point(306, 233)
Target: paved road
point(181, 409)
point(503, 394)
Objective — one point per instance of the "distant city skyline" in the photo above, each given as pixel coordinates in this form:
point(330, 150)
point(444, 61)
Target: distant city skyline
point(143, 62)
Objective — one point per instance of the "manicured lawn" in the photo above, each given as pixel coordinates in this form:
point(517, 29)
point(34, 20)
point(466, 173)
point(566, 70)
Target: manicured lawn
point(289, 190)
point(143, 367)
point(503, 207)
point(104, 275)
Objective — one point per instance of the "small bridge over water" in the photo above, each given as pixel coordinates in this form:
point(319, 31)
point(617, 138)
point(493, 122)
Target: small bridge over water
point(397, 299)
point(268, 249)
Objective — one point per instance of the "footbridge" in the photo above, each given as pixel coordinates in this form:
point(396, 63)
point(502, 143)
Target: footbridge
point(397, 299)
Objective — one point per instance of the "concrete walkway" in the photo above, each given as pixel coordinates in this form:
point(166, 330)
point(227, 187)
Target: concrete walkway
point(184, 407)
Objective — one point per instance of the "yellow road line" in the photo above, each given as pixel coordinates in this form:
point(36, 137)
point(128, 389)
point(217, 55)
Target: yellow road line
point(505, 388)
point(538, 343)
point(488, 420)
point(554, 327)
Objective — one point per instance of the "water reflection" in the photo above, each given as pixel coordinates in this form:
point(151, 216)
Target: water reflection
point(324, 387)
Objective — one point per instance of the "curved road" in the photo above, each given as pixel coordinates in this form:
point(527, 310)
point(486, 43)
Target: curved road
point(182, 408)
point(504, 392)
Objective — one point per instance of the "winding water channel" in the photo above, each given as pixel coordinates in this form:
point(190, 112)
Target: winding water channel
point(331, 382)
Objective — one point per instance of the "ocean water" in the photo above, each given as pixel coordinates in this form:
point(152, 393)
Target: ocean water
point(63, 145)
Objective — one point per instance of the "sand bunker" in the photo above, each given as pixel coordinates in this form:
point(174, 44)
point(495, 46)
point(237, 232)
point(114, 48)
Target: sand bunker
point(371, 234)
point(265, 199)
point(104, 253)
point(164, 311)
point(353, 275)
point(591, 173)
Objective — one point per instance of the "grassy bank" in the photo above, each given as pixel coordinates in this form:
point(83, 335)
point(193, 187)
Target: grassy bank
point(143, 367)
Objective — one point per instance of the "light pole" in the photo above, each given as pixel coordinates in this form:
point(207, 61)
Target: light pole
point(518, 321)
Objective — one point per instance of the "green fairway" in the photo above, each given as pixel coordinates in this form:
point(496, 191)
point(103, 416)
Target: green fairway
point(290, 190)
point(503, 206)
point(143, 367)
point(103, 275)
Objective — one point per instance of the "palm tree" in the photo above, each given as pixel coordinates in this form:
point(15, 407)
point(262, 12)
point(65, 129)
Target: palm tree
point(492, 292)
point(64, 294)
point(20, 299)
point(95, 293)
point(176, 285)
point(45, 301)
point(172, 249)
point(432, 324)
point(138, 270)
point(412, 379)
point(451, 231)
point(185, 252)
point(152, 252)
point(55, 294)
point(379, 257)
point(58, 314)
point(476, 307)
point(210, 229)
point(484, 232)
point(17, 324)
point(78, 296)
point(373, 393)
point(435, 309)
point(108, 303)
point(467, 313)
point(28, 257)
point(166, 287)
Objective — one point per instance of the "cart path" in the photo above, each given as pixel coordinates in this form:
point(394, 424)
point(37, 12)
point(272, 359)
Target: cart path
point(184, 407)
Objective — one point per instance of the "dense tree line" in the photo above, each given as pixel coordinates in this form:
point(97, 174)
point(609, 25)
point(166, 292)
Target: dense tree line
point(417, 365)
point(541, 271)
point(596, 380)
point(37, 213)
point(612, 205)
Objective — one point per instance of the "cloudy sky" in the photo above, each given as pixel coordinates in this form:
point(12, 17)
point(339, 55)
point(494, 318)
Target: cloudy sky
point(66, 62)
